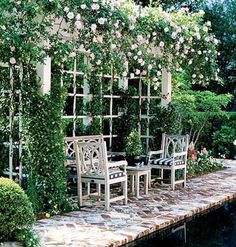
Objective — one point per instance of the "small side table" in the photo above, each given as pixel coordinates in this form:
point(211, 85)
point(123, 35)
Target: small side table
point(135, 173)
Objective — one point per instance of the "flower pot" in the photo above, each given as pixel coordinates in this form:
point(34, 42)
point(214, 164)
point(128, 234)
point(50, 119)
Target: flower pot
point(133, 160)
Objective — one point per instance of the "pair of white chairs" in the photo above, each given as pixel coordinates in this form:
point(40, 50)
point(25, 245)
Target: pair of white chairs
point(88, 154)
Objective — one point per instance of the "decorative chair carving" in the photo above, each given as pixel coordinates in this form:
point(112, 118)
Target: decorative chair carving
point(70, 159)
point(93, 167)
point(70, 148)
point(173, 157)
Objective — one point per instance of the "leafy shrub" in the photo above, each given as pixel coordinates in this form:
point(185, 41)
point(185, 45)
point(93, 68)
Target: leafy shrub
point(133, 145)
point(165, 120)
point(16, 212)
point(203, 164)
point(223, 141)
point(28, 237)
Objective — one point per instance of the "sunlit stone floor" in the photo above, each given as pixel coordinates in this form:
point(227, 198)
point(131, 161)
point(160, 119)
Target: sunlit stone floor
point(94, 227)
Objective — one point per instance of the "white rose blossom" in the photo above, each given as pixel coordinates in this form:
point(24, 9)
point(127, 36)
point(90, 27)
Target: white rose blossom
point(78, 25)
point(93, 27)
point(101, 21)
point(95, 6)
point(12, 60)
point(161, 44)
point(66, 9)
point(70, 15)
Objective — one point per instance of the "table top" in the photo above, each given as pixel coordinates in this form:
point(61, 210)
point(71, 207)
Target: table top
point(137, 168)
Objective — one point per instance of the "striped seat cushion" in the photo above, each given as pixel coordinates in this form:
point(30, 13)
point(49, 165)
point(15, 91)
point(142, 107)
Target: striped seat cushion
point(116, 174)
point(112, 175)
point(166, 162)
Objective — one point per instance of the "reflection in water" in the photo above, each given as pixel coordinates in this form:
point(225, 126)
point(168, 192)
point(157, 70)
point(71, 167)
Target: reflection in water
point(214, 229)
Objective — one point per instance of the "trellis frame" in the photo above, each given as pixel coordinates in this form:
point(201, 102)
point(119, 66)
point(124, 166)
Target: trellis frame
point(11, 144)
point(44, 73)
point(123, 83)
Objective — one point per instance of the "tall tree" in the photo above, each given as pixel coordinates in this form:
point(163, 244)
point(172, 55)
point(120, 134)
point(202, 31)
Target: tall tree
point(222, 15)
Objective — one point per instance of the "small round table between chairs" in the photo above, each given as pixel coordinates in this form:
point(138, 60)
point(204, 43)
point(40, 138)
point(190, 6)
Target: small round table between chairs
point(135, 173)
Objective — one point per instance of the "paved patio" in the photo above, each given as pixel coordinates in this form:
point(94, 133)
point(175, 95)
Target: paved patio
point(94, 227)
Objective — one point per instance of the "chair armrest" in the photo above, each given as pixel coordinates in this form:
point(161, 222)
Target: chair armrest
point(118, 164)
point(180, 154)
point(150, 153)
point(116, 153)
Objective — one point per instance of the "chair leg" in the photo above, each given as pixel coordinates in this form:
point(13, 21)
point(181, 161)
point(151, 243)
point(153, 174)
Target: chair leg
point(125, 191)
point(107, 197)
point(98, 189)
point(173, 178)
point(88, 189)
point(162, 175)
point(149, 178)
point(79, 191)
point(185, 175)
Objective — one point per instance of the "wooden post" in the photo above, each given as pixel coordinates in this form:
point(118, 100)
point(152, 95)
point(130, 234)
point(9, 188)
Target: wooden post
point(86, 90)
point(166, 88)
point(44, 73)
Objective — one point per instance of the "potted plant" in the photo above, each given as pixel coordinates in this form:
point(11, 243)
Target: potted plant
point(133, 147)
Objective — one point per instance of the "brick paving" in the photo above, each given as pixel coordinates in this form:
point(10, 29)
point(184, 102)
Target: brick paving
point(94, 227)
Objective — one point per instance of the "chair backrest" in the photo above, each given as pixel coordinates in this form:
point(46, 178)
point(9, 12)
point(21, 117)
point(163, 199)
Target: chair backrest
point(91, 158)
point(174, 144)
point(70, 147)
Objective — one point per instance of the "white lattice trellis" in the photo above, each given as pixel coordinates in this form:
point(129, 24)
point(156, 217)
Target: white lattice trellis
point(75, 72)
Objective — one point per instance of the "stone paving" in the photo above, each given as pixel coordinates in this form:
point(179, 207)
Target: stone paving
point(94, 227)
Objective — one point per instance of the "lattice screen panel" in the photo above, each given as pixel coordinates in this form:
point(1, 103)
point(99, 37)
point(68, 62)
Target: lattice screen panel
point(95, 99)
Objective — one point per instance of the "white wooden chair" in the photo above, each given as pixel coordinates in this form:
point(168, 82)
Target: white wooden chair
point(173, 157)
point(70, 159)
point(93, 167)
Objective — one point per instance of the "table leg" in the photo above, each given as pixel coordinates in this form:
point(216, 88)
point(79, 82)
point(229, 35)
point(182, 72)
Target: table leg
point(146, 178)
point(137, 185)
point(132, 183)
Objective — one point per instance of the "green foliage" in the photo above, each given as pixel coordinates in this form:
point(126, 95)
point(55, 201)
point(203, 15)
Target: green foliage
point(94, 128)
point(133, 145)
point(165, 120)
point(129, 117)
point(173, 4)
point(44, 150)
point(222, 15)
point(28, 237)
point(202, 165)
point(25, 34)
point(197, 108)
point(223, 141)
point(16, 212)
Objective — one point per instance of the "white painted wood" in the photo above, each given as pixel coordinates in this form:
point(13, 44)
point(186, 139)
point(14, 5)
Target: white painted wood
point(93, 166)
point(166, 88)
point(123, 83)
point(135, 173)
point(74, 98)
point(44, 73)
point(86, 91)
point(174, 147)
point(11, 122)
